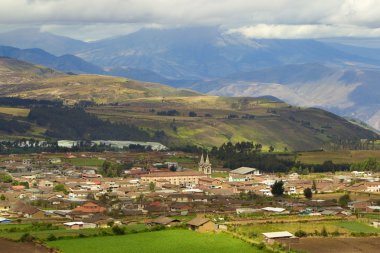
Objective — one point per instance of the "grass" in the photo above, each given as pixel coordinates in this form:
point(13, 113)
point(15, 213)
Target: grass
point(358, 227)
point(167, 241)
point(86, 162)
point(343, 227)
point(60, 232)
point(21, 112)
point(343, 156)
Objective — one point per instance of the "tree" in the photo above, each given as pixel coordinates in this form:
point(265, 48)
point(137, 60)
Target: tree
point(343, 200)
point(314, 186)
point(60, 188)
point(324, 232)
point(277, 189)
point(152, 186)
point(2, 197)
point(192, 114)
point(271, 149)
point(308, 193)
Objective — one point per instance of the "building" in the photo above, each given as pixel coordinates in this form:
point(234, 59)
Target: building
point(205, 166)
point(89, 208)
point(201, 225)
point(243, 174)
point(182, 178)
point(280, 237)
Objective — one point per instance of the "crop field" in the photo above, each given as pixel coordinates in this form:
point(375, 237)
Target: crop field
point(85, 162)
point(344, 156)
point(22, 112)
point(338, 245)
point(14, 232)
point(168, 241)
point(343, 227)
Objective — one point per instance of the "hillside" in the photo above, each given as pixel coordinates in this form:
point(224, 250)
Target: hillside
point(351, 91)
point(179, 117)
point(25, 80)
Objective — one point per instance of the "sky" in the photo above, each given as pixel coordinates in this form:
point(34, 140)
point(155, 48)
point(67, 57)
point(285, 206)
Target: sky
point(97, 19)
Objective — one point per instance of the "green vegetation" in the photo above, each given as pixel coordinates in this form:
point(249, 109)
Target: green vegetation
point(358, 227)
point(277, 189)
point(86, 162)
point(167, 241)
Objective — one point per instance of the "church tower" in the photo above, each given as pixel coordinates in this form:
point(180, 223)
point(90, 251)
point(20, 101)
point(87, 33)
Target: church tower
point(205, 165)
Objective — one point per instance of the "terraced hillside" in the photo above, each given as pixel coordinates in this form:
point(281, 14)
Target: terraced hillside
point(179, 117)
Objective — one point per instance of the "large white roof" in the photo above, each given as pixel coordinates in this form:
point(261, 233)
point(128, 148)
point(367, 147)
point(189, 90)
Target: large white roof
point(281, 234)
point(243, 170)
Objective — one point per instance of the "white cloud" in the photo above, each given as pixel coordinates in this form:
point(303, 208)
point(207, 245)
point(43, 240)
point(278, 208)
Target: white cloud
point(306, 31)
point(302, 16)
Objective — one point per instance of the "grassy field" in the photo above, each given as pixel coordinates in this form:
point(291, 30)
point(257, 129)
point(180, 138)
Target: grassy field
point(22, 112)
point(343, 227)
point(169, 241)
point(85, 161)
point(6, 231)
point(344, 156)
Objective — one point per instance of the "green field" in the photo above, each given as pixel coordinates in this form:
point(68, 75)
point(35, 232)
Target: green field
point(86, 162)
point(358, 227)
point(338, 157)
point(168, 241)
point(18, 230)
point(343, 227)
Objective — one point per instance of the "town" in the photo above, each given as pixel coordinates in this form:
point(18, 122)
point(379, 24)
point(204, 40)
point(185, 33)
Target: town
point(88, 192)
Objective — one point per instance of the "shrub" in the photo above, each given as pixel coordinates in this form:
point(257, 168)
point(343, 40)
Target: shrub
point(300, 233)
point(26, 238)
point(117, 230)
point(51, 237)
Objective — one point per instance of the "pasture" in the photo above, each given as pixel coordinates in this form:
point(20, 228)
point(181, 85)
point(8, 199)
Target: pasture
point(337, 157)
point(166, 241)
point(21, 112)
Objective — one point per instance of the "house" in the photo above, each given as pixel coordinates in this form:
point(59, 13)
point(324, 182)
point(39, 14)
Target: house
point(27, 211)
point(280, 237)
point(201, 225)
point(78, 225)
point(4, 220)
point(242, 174)
point(165, 221)
point(89, 207)
point(183, 178)
point(373, 209)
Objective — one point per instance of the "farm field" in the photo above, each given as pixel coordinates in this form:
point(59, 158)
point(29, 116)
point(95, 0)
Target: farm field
point(17, 247)
point(85, 161)
point(343, 227)
point(338, 157)
point(338, 245)
point(15, 231)
point(169, 241)
point(22, 112)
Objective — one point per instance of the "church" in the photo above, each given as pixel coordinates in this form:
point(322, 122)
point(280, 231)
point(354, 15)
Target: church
point(205, 166)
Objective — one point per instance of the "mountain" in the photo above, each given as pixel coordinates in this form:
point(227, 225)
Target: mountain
point(20, 79)
point(351, 91)
point(34, 38)
point(207, 52)
point(164, 111)
point(67, 63)
point(319, 73)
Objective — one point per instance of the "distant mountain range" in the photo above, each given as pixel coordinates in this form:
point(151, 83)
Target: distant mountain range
point(326, 74)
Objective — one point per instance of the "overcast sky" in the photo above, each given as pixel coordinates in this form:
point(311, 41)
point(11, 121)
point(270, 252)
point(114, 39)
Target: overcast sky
point(95, 19)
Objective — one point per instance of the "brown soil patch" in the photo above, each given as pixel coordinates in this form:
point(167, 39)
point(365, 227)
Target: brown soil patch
point(7, 246)
point(338, 245)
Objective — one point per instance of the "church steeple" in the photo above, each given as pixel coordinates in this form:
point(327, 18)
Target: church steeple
point(205, 165)
point(207, 160)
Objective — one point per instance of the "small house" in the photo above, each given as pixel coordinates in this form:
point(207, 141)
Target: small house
point(201, 225)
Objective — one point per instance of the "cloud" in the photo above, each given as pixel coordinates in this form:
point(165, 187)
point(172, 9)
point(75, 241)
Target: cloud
point(305, 31)
point(323, 16)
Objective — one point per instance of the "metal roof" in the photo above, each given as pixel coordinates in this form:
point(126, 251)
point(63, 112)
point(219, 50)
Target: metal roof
point(243, 170)
point(281, 234)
